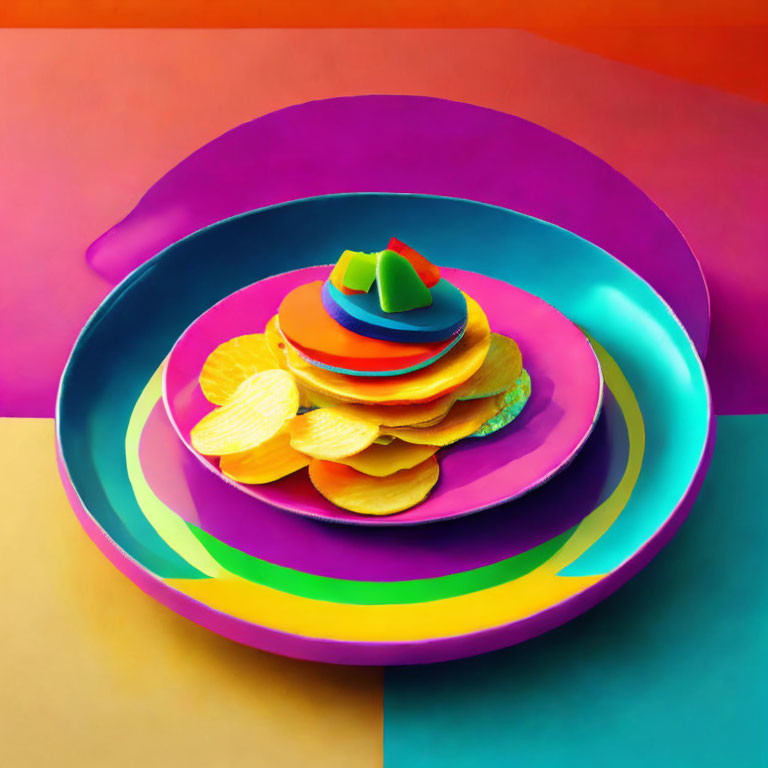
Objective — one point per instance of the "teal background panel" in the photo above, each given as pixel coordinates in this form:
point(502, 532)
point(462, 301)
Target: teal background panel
point(670, 672)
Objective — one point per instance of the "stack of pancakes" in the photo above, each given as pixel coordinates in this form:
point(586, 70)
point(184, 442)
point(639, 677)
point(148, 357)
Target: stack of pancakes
point(362, 378)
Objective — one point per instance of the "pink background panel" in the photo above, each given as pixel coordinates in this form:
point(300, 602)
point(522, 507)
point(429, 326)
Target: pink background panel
point(91, 118)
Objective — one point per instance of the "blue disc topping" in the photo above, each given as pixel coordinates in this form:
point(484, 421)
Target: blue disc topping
point(361, 313)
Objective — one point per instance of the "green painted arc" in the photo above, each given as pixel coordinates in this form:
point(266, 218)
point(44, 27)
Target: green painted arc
point(376, 592)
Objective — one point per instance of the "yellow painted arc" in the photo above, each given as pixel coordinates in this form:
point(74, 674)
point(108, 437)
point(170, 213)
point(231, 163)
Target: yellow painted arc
point(169, 525)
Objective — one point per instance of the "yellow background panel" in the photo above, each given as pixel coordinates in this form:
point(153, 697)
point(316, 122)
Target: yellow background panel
point(95, 673)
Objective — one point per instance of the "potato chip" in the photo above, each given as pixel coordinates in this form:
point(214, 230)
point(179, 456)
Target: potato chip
point(513, 402)
point(387, 415)
point(423, 385)
point(432, 422)
point(276, 347)
point(275, 341)
point(267, 462)
point(497, 374)
point(325, 433)
point(232, 362)
point(384, 440)
point(319, 400)
point(383, 460)
point(462, 420)
point(352, 490)
point(255, 413)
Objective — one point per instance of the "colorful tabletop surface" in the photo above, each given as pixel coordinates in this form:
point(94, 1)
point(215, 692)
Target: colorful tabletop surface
point(638, 681)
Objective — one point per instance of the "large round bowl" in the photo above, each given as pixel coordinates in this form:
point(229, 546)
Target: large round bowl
point(299, 587)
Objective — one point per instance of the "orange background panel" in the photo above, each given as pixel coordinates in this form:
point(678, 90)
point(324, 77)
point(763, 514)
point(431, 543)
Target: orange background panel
point(731, 58)
point(375, 13)
point(719, 43)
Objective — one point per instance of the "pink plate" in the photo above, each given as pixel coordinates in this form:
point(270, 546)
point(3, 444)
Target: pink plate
point(567, 388)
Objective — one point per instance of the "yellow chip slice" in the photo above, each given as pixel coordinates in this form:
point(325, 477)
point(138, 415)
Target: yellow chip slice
point(426, 384)
point(276, 347)
point(388, 415)
point(499, 371)
point(462, 420)
point(267, 462)
point(431, 422)
point(232, 362)
point(382, 460)
point(511, 403)
point(255, 413)
point(275, 341)
point(352, 490)
point(326, 433)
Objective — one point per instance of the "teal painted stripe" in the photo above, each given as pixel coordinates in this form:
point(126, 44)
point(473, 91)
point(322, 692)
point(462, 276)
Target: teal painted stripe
point(664, 673)
point(92, 430)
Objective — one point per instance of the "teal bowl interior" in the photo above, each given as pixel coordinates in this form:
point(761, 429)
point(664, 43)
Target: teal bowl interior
point(136, 326)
